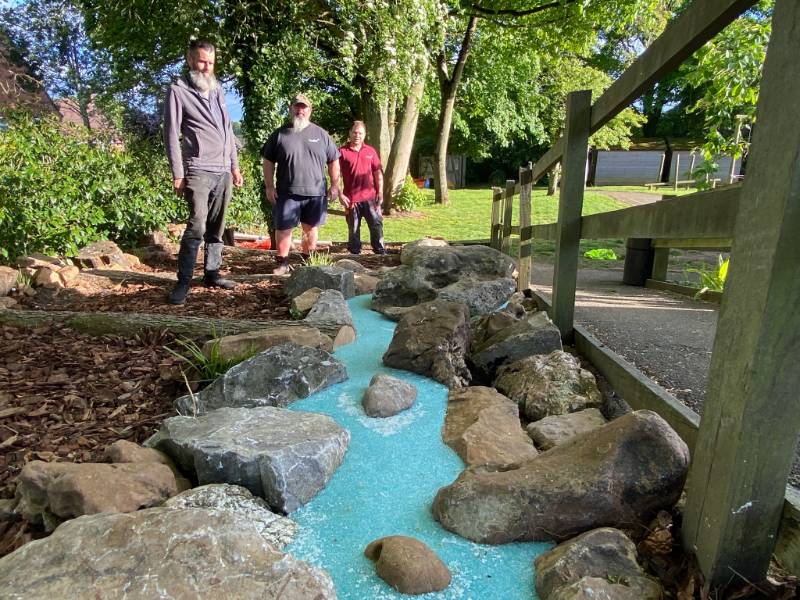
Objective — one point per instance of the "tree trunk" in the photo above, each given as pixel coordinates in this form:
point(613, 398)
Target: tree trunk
point(555, 175)
point(397, 163)
point(448, 86)
point(130, 324)
point(376, 114)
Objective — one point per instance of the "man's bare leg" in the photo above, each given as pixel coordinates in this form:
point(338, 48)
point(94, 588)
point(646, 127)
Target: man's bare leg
point(310, 235)
point(283, 237)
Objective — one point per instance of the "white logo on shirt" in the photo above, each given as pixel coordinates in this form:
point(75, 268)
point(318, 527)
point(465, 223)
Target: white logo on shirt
point(369, 156)
point(313, 139)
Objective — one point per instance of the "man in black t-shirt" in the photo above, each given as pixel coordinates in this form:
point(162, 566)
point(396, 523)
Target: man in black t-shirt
point(300, 150)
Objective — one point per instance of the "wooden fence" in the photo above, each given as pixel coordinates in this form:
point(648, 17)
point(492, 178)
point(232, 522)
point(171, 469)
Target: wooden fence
point(744, 446)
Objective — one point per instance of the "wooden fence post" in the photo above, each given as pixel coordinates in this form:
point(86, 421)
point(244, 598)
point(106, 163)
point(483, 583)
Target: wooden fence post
point(508, 208)
point(524, 266)
point(751, 415)
point(570, 205)
point(497, 204)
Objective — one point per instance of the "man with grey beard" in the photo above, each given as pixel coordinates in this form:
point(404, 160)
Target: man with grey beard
point(202, 155)
point(300, 150)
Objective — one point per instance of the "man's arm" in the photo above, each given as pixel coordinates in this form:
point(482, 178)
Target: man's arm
point(173, 114)
point(334, 173)
point(268, 167)
point(377, 178)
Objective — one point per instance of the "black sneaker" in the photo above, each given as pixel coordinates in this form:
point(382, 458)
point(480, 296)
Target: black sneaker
point(179, 292)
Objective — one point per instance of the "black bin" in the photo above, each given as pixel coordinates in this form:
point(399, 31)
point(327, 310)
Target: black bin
point(638, 261)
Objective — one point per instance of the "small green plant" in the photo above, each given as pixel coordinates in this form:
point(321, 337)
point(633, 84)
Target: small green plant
point(206, 367)
point(319, 259)
point(24, 280)
point(296, 315)
point(409, 197)
point(712, 279)
point(601, 254)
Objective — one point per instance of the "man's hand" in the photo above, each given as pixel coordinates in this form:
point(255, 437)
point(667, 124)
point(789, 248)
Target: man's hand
point(334, 192)
point(238, 180)
point(345, 201)
point(272, 195)
point(179, 186)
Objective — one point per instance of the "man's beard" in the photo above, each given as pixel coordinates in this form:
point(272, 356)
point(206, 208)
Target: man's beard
point(299, 123)
point(204, 83)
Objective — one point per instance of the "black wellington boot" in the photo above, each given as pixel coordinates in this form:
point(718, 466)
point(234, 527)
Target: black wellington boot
point(187, 255)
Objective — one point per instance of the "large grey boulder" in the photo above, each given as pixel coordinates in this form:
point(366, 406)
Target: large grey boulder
point(483, 427)
point(555, 430)
point(159, 553)
point(283, 456)
point(479, 276)
point(604, 553)
point(616, 476)
point(50, 492)
point(324, 277)
point(275, 529)
point(386, 396)
point(432, 339)
point(275, 377)
point(545, 385)
point(331, 311)
point(533, 334)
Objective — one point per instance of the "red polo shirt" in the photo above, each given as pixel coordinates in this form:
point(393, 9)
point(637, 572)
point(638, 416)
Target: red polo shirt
point(358, 167)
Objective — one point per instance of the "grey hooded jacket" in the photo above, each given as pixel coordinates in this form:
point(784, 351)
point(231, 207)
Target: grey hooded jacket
point(204, 145)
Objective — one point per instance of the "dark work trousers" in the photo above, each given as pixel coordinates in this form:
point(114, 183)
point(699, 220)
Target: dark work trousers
point(207, 195)
point(370, 210)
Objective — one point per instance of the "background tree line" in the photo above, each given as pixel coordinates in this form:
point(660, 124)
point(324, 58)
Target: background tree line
point(484, 79)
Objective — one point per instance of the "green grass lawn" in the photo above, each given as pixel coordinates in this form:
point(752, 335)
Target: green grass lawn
point(467, 217)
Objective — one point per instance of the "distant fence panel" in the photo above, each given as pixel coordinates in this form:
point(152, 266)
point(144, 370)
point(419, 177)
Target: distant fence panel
point(508, 211)
point(525, 243)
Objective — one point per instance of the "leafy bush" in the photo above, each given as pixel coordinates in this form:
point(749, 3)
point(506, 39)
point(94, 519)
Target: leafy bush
point(601, 254)
point(409, 196)
point(61, 190)
point(712, 280)
point(246, 206)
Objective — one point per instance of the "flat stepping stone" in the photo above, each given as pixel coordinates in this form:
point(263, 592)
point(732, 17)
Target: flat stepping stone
point(156, 553)
point(283, 456)
point(275, 377)
point(325, 277)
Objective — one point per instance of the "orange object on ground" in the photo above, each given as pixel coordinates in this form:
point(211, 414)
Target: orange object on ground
point(264, 244)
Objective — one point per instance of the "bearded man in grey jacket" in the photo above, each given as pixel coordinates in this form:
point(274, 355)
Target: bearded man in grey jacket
point(202, 155)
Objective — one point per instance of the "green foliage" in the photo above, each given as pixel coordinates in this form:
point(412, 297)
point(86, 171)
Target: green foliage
point(63, 189)
point(246, 209)
point(409, 196)
point(207, 368)
point(712, 279)
point(319, 259)
point(601, 254)
point(727, 75)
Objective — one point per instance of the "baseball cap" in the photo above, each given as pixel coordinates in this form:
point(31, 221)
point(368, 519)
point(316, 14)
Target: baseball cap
point(301, 99)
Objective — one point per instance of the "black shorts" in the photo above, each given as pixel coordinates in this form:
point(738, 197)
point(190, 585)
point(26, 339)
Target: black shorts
point(292, 209)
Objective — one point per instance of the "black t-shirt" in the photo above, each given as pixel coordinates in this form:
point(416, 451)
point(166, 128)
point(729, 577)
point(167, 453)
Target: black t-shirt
point(301, 158)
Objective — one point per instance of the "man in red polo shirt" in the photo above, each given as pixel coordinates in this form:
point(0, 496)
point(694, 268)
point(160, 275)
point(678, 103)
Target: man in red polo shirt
point(363, 190)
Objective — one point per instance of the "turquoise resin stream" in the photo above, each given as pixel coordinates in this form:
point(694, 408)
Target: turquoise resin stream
point(390, 475)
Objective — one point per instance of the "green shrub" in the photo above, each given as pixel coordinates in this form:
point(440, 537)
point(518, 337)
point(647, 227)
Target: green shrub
point(246, 207)
point(409, 197)
point(319, 259)
point(710, 279)
point(61, 190)
point(601, 254)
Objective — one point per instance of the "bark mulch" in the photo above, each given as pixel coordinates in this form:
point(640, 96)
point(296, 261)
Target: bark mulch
point(65, 396)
